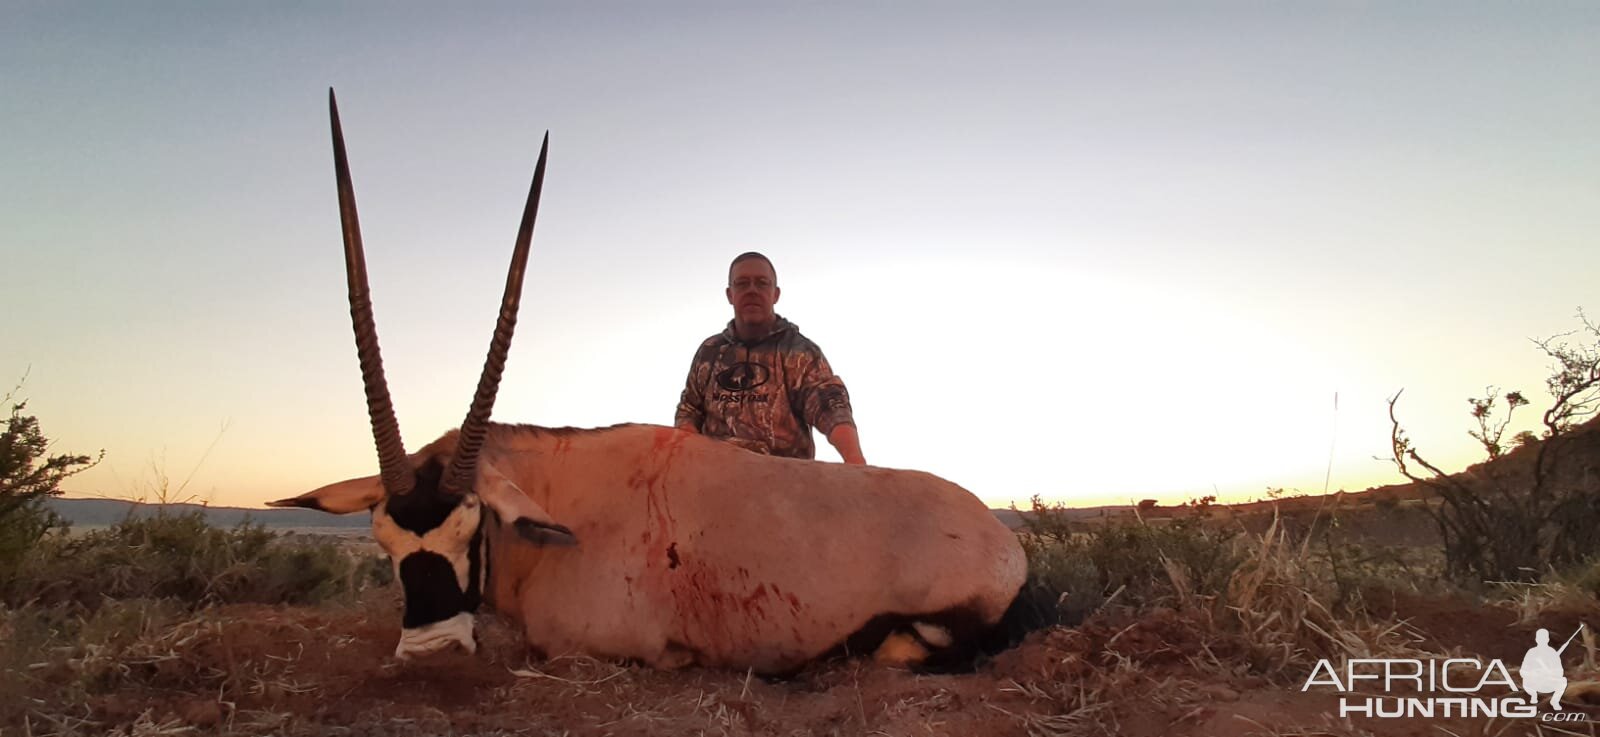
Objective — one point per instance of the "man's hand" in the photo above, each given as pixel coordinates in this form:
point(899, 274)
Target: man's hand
point(847, 441)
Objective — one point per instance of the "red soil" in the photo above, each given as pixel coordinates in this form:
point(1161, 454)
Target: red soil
point(292, 671)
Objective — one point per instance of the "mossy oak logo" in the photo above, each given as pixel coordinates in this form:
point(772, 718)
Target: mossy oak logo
point(1453, 687)
point(742, 377)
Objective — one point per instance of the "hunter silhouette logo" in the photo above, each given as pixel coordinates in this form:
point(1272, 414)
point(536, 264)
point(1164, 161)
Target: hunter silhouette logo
point(1391, 688)
point(1542, 671)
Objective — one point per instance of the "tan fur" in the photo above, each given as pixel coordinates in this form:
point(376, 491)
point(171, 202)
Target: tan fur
point(778, 559)
point(691, 550)
point(342, 497)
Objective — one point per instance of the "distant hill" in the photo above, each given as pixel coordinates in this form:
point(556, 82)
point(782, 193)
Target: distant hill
point(1009, 517)
point(1574, 463)
point(1013, 518)
point(98, 512)
point(1580, 466)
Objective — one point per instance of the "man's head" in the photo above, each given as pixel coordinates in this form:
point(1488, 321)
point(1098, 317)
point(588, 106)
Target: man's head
point(752, 290)
point(1542, 636)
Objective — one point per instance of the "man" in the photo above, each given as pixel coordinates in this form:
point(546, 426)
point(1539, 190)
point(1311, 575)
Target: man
point(762, 385)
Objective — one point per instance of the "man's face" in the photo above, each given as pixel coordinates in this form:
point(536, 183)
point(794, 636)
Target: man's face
point(752, 290)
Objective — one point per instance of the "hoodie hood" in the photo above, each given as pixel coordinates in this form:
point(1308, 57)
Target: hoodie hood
point(779, 327)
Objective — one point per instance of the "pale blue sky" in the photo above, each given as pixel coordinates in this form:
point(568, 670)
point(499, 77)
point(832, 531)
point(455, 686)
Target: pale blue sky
point(1089, 251)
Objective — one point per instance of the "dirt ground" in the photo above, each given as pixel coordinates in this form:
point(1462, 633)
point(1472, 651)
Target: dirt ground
point(313, 671)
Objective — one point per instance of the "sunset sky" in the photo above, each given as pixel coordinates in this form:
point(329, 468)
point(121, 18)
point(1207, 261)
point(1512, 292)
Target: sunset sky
point(1096, 252)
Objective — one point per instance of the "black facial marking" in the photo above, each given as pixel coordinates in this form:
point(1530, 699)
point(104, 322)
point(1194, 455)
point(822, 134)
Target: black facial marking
point(672, 556)
point(475, 563)
point(432, 592)
point(423, 509)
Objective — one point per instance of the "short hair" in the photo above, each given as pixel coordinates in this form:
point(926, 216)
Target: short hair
point(746, 256)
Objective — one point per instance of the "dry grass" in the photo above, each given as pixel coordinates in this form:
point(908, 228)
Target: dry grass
point(62, 668)
point(1330, 727)
point(1267, 619)
point(1089, 705)
point(1275, 600)
point(1531, 600)
point(1167, 643)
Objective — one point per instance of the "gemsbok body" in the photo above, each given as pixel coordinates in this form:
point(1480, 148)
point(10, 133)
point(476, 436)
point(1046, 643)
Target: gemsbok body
point(655, 544)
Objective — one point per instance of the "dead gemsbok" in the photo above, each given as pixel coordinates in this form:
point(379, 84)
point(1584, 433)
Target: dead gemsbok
point(650, 543)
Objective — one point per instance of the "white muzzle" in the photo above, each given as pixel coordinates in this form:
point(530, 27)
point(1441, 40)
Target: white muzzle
point(431, 638)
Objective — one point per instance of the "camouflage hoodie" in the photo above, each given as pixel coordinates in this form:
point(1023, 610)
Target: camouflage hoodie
point(764, 395)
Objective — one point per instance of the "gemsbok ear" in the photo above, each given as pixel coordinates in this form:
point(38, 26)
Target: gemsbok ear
point(516, 509)
point(545, 534)
point(343, 497)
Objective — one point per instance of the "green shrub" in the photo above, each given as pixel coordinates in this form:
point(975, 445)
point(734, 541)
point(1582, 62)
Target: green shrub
point(1583, 578)
point(119, 607)
point(28, 477)
point(1073, 572)
point(181, 557)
